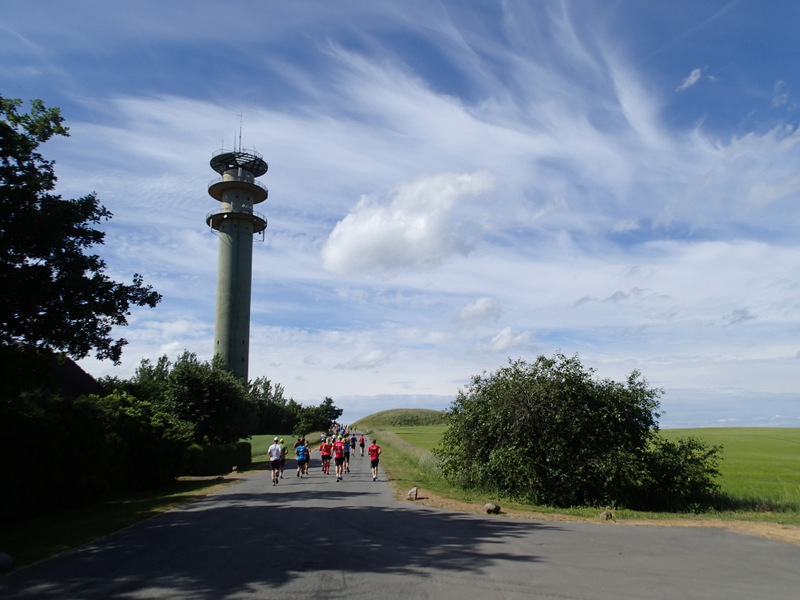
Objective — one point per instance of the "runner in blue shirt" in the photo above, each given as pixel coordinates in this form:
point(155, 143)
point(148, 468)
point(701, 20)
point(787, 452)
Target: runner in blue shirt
point(346, 455)
point(302, 459)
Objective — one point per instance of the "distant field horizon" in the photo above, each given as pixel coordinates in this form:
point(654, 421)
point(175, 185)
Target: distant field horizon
point(390, 411)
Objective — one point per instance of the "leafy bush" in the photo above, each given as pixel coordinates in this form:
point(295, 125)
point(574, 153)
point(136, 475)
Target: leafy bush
point(551, 433)
point(217, 459)
point(680, 474)
point(50, 454)
point(147, 445)
point(61, 452)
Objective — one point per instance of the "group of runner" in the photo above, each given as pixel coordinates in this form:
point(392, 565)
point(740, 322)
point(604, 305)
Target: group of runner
point(337, 447)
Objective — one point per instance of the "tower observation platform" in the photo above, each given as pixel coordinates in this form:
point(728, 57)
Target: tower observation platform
point(237, 191)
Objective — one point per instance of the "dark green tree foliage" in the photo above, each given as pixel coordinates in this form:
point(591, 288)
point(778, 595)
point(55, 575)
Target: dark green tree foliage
point(211, 398)
point(216, 403)
point(274, 412)
point(277, 414)
point(149, 382)
point(329, 411)
point(551, 433)
point(56, 452)
point(147, 444)
point(54, 293)
point(317, 418)
point(680, 475)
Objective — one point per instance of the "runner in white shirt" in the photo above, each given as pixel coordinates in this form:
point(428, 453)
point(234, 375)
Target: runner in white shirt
point(275, 454)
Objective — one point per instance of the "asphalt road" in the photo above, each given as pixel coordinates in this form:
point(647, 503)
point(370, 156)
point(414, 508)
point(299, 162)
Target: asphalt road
point(316, 538)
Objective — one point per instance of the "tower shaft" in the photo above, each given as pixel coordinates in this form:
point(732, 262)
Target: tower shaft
point(234, 285)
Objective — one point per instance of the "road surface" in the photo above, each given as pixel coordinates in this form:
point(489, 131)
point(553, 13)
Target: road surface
point(316, 538)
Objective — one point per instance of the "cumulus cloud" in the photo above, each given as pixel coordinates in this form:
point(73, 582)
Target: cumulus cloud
point(504, 340)
point(481, 310)
point(417, 229)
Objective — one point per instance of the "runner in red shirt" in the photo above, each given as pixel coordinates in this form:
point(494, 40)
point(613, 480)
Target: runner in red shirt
point(374, 454)
point(325, 449)
point(338, 457)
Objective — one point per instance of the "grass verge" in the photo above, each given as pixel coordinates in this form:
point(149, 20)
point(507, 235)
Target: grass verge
point(408, 461)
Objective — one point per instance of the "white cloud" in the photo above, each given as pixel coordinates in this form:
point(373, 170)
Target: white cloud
point(764, 193)
point(417, 229)
point(480, 310)
point(504, 340)
point(690, 80)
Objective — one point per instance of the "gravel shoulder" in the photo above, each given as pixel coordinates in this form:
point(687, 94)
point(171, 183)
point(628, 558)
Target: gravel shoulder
point(773, 531)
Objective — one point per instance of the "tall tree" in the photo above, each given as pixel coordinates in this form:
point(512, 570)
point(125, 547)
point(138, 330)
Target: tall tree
point(317, 418)
point(211, 398)
point(274, 413)
point(54, 293)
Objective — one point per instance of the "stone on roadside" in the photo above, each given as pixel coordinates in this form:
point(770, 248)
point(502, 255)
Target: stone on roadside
point(607, 515)
point(412, 493)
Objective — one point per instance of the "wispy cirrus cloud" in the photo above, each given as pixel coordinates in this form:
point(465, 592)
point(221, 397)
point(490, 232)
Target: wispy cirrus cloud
point(368, 360)
point(690, 80)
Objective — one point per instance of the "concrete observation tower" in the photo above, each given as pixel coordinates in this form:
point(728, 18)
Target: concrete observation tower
point(237, 191)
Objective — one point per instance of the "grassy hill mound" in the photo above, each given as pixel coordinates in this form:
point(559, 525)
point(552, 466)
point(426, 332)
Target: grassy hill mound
point(402, 417)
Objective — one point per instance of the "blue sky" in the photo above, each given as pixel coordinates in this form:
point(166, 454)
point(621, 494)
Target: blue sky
point(452, 185)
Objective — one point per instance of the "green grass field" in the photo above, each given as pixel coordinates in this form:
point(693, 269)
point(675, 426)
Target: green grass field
point(426, 437)
point(759, 463)
point(759, 470)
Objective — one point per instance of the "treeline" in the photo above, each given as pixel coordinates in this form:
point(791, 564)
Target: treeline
point(167, 420)
point(219, 408)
